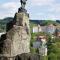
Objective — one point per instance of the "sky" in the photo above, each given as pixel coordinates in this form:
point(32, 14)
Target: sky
point(37, 9)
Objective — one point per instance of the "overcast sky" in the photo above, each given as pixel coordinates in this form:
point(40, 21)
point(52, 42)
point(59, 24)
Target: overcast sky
point(38, 9)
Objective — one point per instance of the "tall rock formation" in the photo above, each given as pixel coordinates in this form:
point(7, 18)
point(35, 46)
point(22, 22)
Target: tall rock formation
point(17, 38)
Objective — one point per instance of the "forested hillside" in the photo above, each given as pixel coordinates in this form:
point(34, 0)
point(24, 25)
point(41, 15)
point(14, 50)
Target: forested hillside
point(4, 21)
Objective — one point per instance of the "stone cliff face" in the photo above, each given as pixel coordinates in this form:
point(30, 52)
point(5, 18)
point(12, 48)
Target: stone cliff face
point(17, 37)
point(17, 41)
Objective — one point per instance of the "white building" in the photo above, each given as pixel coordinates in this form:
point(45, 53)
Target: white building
point(50, 29)
point(47, 29)
point(37, 29)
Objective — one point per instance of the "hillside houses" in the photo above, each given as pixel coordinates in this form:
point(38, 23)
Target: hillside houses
point(40, 44)
point(57, 32)
point(51, 29)
point(37, 28)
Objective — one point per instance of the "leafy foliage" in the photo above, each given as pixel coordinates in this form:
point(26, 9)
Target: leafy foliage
point(3, 23)
point(53, 48)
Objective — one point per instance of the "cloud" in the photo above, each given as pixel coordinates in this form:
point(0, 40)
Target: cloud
point(38, 9)
point(53, 17)
point(42, 16)
point(55, 8)
point(8, 9)
point(10, 5)
point(47, 9)
point(42, 2)
point(4, 15)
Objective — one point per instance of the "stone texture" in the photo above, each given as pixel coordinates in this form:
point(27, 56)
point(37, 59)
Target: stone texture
point(17, 37)
point(26, 56)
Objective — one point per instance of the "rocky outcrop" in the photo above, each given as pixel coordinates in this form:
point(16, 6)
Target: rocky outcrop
point(17, 38)
point(27, 57)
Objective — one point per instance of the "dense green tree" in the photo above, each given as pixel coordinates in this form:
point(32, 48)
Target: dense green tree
point(52, 56)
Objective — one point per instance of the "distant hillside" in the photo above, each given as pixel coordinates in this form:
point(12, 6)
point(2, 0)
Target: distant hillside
point(4, 21)
point(41, 22)
point(44, 22)
point(58, 21)
point(37, 21)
